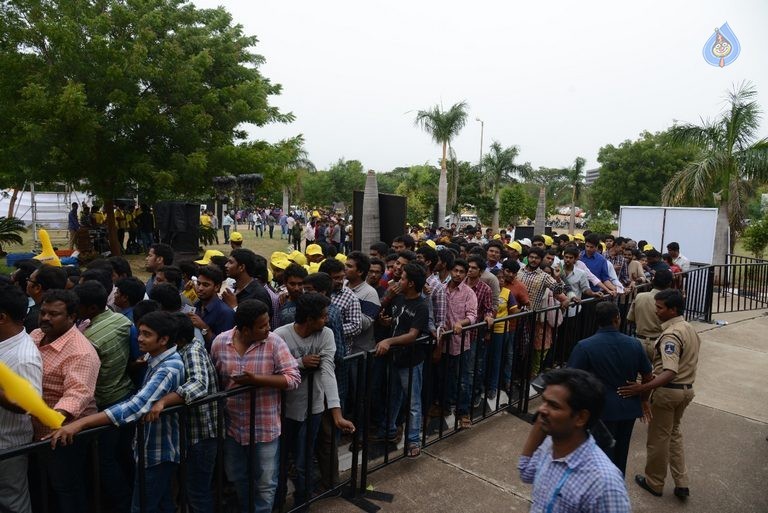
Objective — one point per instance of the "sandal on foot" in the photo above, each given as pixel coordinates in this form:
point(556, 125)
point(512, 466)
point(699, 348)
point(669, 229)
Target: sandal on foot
point(465, 422)
point(413, 451)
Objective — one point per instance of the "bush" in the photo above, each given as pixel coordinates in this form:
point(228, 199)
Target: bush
point(602, 222)
point(755, 237)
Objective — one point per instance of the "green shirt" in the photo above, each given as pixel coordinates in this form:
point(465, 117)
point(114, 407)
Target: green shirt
point(109, 333)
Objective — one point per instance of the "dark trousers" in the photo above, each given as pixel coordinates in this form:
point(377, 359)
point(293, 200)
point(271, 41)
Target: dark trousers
point(65, 471)
point(621, 430)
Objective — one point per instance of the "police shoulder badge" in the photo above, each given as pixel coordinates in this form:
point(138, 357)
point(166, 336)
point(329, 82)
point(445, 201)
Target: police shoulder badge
point(669, 348)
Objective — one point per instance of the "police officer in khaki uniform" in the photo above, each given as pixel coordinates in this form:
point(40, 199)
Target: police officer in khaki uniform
point(676, 355)
point(642, 312)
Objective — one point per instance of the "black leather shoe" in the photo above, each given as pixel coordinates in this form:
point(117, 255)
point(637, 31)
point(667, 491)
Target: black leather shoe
point(682, 493)
point(640, 480)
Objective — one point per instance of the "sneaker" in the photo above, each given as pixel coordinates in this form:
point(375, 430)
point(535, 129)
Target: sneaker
point(532, 392)
point(491, 395)
point(478, 401)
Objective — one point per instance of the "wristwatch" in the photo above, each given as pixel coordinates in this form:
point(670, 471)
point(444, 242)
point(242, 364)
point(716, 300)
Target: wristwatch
point(204, 331)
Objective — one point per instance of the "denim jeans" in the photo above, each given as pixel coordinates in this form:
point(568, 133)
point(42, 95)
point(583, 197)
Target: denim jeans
point(226, 233)
point(295, 435)
point(493, 362)
point(266, 466)
point(508, 358)
point(158, 490)
point(201, 461)
point(459, 384)
point(398, 390)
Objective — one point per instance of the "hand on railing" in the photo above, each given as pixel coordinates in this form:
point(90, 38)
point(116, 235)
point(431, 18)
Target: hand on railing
point(382, 348)
point(154, 412)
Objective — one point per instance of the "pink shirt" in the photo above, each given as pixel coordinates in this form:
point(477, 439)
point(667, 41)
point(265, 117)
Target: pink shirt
point(270, 356)
point(462, 304)
point(70, 369)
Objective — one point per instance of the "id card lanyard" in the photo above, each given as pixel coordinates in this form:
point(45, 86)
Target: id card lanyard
point(551, 504)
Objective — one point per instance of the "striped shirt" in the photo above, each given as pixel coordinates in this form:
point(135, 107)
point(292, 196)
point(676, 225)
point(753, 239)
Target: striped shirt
point(165, 373)
point(438, 300)
point(22, 357)
point(267, 357)
point(70, 369)
point(110, 334)
point(200, 382)
point(585, 481)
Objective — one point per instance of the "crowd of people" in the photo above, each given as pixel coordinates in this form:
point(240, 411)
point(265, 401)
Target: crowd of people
point(105, 348)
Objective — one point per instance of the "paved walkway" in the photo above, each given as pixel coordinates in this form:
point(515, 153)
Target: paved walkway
point(725, 436)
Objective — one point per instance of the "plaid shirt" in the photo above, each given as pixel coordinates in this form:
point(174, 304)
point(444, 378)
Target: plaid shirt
point(110, 334)
point(438, 299)
point(351, 314)
point(267, 357)
point(462, 304)
point(623, 272)
point(486, 303)
point(587, 480)
point(200, 382)
point(537, 282)
point(161, 439)
point(70, 370)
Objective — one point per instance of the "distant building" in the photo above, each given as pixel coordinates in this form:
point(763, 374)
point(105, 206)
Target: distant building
point(591, 175)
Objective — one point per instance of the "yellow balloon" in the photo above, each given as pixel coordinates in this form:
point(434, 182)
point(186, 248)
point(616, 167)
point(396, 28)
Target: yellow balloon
point(21, 392)
point(47, 255)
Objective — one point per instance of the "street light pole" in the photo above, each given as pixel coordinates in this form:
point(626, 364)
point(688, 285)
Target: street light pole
point(482, 129)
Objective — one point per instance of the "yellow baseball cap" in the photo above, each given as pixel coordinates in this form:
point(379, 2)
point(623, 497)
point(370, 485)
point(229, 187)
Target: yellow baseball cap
point(209, 253)
point(279, 260)
point(313, 267)
point(314, 249)
point(579, 237)
point(341, 257)
point(236, 237)
point(516, 246)
point(648, 247)
point(297, 257)
point(430, 243)
point(548, 240)
point(496, 236)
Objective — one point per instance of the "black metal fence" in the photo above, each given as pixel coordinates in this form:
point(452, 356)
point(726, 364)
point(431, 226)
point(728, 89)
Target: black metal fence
point(414, 397)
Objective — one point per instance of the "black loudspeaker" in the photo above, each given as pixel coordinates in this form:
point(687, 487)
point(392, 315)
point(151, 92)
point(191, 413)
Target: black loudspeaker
point(526, 232)
point(179, 225)
point(392, 209)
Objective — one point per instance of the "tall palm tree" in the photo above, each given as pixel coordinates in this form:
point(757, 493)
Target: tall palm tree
point(730, 158)
point(443, 126)
point(575, 180)
point(498, 166)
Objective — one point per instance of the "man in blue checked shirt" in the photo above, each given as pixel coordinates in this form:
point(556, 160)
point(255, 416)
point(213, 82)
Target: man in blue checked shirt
point(165, 372)
point(569, 472)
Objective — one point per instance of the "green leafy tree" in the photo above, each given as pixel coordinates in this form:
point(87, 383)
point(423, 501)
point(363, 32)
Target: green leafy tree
point(443, 126)
point(730, 156)
point(516, 203)
point(635, 172)
point(108, 93)
point(11, 229)
point(755, 237)
point(418, 188)
point(499, 166)
point(602, 222)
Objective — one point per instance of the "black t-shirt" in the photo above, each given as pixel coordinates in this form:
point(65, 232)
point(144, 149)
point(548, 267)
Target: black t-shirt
point(407, 314)
point(255, 290)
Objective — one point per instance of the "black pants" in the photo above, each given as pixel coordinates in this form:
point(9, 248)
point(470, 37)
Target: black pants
point(622, 433)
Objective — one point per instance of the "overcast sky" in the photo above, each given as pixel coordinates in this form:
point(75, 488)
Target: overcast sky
point(558, 78)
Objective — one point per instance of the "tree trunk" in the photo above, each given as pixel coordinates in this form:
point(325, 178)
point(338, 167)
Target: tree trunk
point(573, 212)
point(12, 202)
point(114, 245)
point(442, 189)
point(370, 222)
point(722, 240)
point(496, 208)
point(541, 211)
point(452, 205)
point(286, 199)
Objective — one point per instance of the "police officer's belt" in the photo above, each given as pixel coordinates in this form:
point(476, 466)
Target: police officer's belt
point(677, 386)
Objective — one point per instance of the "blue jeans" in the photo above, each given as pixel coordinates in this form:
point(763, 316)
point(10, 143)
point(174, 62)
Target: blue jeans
point(226, 233)
point(460, 373)
point(201, 461)
point(266, 465)
point(398, 390)
point(509, 358)
point(493, 362)
point(159, 494)
point(295, 435)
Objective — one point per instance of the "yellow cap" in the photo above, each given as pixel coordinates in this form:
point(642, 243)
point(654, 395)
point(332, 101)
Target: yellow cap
point(209, 253)
point(297, 257)
point(496, 237)
point(602, 246)
point(341, 257)
point(315, 213)
point(648, 247)
point(579, 237)
point(516, 246)
point(236, 237)
point(570, 237)
point(279, 260)
point(314, 249)
point(548, 240)
point(430, 243)
point(313, 267)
